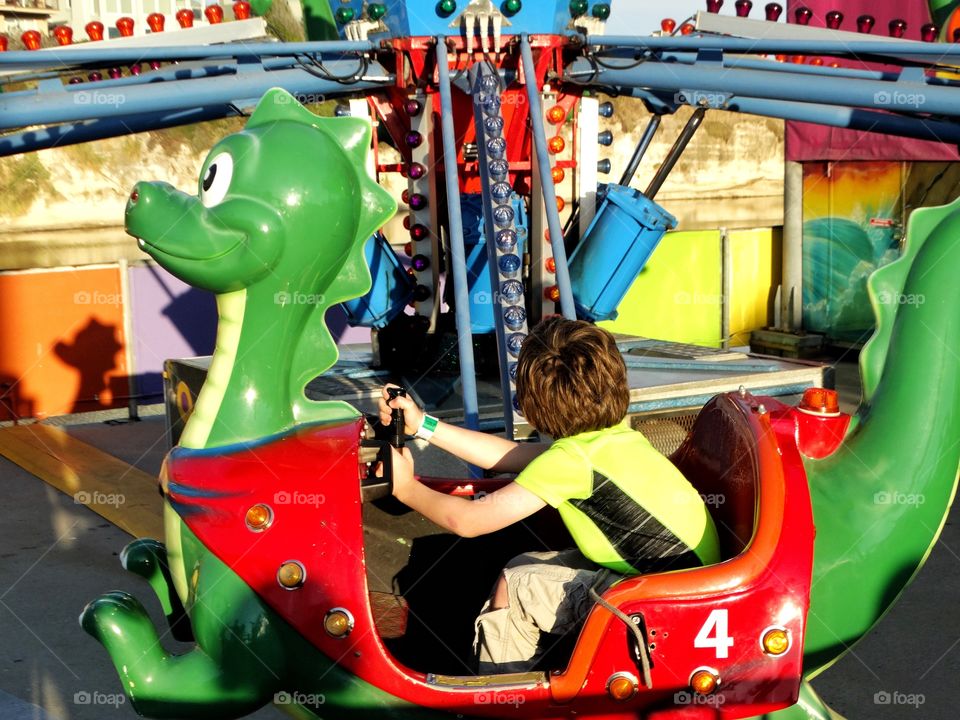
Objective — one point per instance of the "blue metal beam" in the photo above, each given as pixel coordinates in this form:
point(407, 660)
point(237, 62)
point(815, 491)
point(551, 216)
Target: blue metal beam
point(776, 84)
point(97, 100)
point(458, 256)
point(947, 53)
point(852, 118)
point(567, 306)
point(106, 55)
point(747, 62)
point(182, 71)
point(73, 133)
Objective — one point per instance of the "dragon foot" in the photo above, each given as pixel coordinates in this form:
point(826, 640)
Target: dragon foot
point(162, 685)
point(148, 559)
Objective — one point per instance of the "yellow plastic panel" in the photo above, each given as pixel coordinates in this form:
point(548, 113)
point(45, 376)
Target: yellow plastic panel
point(756, 268)
point(678, 295)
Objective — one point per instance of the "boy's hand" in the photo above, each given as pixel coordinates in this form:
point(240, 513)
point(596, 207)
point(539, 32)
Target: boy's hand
point(412, 415)
point(402, 471)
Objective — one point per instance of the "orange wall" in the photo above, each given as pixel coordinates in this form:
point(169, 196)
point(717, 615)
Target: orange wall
point(61, 342)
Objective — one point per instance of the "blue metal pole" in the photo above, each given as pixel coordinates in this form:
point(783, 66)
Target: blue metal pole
point(745, 62)
point(933, 52)
point(852, 118)
point(182, 71)
point(91, 100)
point(458, 256)
point(549, 192)
point(902, 96)
point(60, 57)
point(73, 133)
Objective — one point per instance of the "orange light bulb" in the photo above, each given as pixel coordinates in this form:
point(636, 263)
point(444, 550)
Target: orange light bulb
point(63, 34)
point(155, 21)
point(125, 26)
point(556, 144)
point(214, 14)
point(185, 18)
point(31, 40)
point(556, 114)
point(94, 30)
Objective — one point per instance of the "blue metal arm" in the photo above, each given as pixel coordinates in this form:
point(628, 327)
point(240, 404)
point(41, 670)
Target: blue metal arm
point(73, 133)
point(549, 192)
point(91, 100)
point(933, 53)
point(904, 95)
point(105, 55)
point(458, 261)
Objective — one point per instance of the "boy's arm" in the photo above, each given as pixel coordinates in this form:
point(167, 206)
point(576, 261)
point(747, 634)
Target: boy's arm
point(489, 452)
point(463, 517)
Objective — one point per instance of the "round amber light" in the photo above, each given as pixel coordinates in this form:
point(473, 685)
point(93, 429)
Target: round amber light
point(622, 686)
point(259, 517)
point(776, 641)
point(556, 114)
point(820, 401)
point(704, 681)
point(338, 622)
point(556, 144)
point(558, 174)
point(291, 575)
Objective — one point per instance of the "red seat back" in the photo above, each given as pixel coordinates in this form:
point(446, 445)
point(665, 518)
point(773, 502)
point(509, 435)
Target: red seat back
point(719, 458)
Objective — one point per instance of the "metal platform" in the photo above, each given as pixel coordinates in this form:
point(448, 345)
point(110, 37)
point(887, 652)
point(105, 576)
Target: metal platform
point(669, 383)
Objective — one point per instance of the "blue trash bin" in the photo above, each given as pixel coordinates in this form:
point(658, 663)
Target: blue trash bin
point(624, 233)
point(390, 292)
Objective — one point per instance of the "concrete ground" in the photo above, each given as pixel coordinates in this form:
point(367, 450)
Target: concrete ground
point(57, 555)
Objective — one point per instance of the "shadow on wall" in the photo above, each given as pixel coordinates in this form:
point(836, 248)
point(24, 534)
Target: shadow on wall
point(92, 353)
point(194, 313)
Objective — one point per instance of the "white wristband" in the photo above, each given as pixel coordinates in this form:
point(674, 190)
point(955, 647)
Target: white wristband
point(428, 426)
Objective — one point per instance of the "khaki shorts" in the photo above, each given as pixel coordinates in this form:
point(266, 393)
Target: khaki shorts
point(549, 592)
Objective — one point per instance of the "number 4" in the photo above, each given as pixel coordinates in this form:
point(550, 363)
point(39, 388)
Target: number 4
point(721, 641)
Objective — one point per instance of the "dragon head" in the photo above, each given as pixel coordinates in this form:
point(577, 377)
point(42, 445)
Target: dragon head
point(286, 199)
point(276, 230)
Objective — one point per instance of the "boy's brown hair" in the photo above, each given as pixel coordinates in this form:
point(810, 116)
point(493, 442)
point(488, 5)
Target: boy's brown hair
point(571, 378)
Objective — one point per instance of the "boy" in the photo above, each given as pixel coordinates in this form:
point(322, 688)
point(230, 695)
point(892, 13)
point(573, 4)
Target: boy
point(626, 506)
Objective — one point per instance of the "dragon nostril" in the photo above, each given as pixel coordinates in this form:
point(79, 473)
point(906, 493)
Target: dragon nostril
point(135, 195)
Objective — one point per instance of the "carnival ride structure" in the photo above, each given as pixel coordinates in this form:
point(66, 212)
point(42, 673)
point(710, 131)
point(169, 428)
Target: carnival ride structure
point(274, 593)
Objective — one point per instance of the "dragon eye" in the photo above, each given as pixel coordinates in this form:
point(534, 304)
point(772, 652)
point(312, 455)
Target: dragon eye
point(216, 180)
